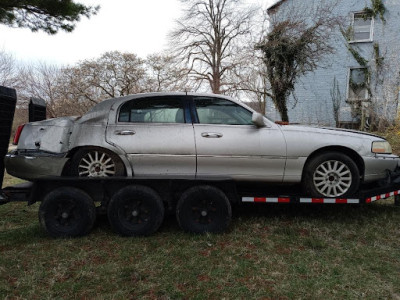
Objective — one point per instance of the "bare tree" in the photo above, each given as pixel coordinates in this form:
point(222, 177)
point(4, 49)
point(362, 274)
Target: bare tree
point(72, 90)
point(295, 45)
point(208, 37)
point(250, 75)
point(166, 74)
point(10, 77)
point(42, 81)
point(251, 81)
point(8, 70)
point(114, 74)
point(79, 87)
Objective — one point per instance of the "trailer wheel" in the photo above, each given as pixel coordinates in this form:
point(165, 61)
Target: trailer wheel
point(204, 209)
point(67, 212)
point(135, 211)
point(332, 174)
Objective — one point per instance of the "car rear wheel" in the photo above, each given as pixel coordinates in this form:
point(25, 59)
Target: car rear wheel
point(332, 175)
point(96, 162)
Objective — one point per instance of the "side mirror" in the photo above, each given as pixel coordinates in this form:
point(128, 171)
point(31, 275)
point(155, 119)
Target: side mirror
point(258, 119)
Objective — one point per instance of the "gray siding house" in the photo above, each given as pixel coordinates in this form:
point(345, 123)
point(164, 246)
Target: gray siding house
point(362, 78)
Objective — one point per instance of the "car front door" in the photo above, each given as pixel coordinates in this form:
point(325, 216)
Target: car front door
point(230, 145)
point(157, 135)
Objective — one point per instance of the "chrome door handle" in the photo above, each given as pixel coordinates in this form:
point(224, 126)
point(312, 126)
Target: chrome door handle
point(125, 132)
point(211, 135)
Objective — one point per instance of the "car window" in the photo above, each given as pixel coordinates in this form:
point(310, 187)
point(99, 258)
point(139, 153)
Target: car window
point(152, 110)
point(221, 111)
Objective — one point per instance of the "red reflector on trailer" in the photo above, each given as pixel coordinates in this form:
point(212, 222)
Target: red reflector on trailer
point(259, 199)
point(18, 134)
point(341, 201)
point(283, 200)
point(317, 200)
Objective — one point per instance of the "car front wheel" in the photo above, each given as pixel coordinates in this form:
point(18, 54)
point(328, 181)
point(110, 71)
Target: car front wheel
point(332, 175)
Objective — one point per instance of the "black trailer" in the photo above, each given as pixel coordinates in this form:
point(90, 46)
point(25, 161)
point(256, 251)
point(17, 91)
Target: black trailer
point(136, 206)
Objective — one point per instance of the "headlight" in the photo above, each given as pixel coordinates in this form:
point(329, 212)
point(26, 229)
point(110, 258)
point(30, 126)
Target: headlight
point(382, 147)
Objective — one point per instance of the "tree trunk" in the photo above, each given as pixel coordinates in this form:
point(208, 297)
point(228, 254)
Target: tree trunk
point(280, 104)
point(284, 115)
point(216, 82)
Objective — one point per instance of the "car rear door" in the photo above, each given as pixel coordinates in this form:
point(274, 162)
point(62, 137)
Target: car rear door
point(157, 135)
point(229, 145)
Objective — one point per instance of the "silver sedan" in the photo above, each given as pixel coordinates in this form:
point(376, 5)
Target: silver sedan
point(180, 135)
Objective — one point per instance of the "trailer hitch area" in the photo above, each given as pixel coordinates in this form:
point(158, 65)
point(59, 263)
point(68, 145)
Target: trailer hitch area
point(392, 177)
point(3, 198)
point(395, 175)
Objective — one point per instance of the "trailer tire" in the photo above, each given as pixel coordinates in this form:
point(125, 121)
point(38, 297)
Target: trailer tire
point(203, 209)
point(67, 212)
point(135, 211)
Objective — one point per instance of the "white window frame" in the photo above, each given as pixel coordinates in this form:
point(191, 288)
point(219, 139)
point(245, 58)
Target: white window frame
point(371, 33)
point(367, 96)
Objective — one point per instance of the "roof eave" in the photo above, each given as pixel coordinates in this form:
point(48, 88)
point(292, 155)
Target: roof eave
point(275, 6)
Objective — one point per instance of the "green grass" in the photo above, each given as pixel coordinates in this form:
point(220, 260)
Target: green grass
point(270, 252)
point(9, 180)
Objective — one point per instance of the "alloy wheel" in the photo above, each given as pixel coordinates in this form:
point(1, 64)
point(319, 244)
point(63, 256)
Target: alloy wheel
point(96, 164)
point(332, 178)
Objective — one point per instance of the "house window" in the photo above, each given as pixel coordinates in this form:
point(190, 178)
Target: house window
point(358, 84)
point(362, 27)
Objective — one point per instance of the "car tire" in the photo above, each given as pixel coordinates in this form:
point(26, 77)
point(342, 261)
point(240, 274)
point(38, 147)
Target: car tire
point(331, 175)
point(96, 162)
point(203, 209)
point(67, 212)
point(135, 211)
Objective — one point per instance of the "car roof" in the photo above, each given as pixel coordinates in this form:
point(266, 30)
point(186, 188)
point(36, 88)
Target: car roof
point(101, 111)
point(106, 105)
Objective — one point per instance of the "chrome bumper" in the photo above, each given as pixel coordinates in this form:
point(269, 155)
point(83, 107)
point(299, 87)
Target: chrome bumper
point(32, 165)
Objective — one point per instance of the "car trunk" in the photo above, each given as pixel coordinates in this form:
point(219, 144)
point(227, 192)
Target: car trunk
point(49, 136)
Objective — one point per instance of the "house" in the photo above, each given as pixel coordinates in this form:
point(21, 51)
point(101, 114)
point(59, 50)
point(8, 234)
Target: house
point(358, 85)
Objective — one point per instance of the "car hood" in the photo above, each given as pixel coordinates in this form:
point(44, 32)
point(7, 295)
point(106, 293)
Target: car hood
point(330, 131)
point(357, 132)
point(303, 140)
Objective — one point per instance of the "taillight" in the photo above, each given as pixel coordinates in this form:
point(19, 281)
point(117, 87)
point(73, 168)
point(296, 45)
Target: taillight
point(18, 134)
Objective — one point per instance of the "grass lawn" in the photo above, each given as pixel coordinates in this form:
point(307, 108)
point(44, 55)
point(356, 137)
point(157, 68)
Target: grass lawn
point(271, 252)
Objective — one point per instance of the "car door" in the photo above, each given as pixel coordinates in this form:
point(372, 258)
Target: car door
point(157, 135)
point(229, 145)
